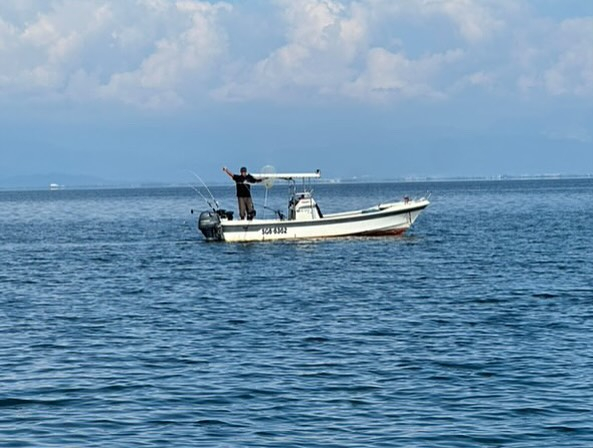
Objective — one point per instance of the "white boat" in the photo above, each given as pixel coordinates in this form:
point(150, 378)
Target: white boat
point(305, 219)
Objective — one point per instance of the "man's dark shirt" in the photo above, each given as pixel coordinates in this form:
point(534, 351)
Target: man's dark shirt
point(243, 188)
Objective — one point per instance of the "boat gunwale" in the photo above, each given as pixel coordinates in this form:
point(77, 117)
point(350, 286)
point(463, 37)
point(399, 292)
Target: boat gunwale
point(339, 218)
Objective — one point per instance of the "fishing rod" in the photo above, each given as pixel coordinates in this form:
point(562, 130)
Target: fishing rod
point(203, 197)
point(207, 189)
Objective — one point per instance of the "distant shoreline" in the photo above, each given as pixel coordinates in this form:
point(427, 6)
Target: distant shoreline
point(461, 178)
point(331, 181)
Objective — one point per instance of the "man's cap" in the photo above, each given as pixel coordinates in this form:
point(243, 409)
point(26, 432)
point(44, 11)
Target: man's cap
point(243, 169)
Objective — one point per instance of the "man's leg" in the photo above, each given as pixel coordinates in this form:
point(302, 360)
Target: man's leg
point(242, 208)
point(250, 209)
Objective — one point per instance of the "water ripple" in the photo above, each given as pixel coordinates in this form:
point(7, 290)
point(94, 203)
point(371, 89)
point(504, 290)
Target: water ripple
point(121, 327)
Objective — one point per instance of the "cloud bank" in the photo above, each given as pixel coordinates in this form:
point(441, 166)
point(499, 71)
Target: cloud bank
point(170, 54)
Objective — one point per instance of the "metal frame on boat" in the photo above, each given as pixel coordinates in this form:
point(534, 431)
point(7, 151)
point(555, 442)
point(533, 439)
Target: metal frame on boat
point(305, 220)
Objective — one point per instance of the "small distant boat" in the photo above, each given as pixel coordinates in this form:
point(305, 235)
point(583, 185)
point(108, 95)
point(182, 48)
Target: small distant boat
point(305, 219)
point(53, 186)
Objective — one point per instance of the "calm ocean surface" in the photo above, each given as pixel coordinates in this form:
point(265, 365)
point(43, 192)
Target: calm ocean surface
point(120, 326)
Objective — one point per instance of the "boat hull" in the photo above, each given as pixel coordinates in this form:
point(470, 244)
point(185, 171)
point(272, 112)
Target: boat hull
point(383, 219)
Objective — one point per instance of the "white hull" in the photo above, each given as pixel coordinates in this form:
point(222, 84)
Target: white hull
point(384, 219)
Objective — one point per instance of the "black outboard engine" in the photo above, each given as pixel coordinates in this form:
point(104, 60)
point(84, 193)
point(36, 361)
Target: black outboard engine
point(209, 224)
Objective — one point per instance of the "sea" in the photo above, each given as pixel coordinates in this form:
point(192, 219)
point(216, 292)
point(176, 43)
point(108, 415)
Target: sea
point(120, 326)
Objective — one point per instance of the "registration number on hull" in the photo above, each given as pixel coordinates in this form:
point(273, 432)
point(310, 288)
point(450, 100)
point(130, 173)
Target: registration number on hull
point(279, 230)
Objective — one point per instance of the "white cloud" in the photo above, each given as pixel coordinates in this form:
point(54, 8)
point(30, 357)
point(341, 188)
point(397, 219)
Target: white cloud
point(323, 37)
point(7, 35)
point(40, 32)
point(159, 6)
point(392, 75)
point(328, 52)
point(176, 61)
point(313, 23)
point(157, 53)
point(480, 79)
point(575, 134)
point(473, 20)
point(557, 59)
point(45, 47)
point(159, 45)
point(572, 71)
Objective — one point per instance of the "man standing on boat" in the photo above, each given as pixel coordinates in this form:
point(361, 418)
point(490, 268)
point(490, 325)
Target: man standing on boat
point(242, 182)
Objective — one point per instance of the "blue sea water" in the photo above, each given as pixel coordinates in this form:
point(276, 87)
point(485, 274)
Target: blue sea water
point(120, 326)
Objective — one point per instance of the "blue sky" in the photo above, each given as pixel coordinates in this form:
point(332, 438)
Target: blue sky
point(143, 90)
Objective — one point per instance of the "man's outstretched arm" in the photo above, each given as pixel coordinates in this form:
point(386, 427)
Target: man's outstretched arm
point(226, 170)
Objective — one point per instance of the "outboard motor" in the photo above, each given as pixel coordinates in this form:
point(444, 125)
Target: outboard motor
point(209, 224)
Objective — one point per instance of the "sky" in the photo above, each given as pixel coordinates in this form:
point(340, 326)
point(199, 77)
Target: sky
point(149, 90)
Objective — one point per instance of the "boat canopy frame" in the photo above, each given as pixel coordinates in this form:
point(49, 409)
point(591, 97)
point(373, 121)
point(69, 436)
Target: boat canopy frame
point(291, 178)
point(287, 176)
